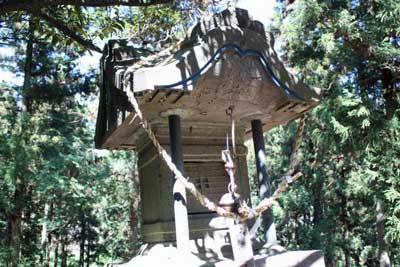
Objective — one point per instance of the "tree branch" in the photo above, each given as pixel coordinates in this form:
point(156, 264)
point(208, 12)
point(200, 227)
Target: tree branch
point(15, 5)
point(65, 30)
point(7, 44)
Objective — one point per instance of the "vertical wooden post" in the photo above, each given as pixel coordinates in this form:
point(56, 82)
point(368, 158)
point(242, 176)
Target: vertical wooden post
point(263, 179)
point(180, 209)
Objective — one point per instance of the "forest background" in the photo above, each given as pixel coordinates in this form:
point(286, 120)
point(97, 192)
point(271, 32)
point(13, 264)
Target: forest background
point(63, 203)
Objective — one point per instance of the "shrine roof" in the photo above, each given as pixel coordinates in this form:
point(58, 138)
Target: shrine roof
point(226, 60)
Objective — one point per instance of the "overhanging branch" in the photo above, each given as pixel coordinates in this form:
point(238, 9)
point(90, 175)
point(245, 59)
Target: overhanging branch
point(65, 30)
point(14, 5)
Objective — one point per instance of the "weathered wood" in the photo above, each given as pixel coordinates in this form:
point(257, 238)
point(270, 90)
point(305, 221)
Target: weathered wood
point(244, 213)
point(179, 192)
point(202, 163)
point(227, 60)
point(210, 179)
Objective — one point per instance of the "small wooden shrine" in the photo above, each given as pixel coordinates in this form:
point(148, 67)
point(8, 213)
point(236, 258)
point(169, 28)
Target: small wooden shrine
point(226, 69)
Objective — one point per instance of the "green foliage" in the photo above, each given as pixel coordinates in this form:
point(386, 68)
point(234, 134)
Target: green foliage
point(55, 161)
point(85, 200)
point(350, 153)
point(66, 194)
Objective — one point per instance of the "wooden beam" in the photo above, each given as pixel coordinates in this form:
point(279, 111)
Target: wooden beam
point(180, 201)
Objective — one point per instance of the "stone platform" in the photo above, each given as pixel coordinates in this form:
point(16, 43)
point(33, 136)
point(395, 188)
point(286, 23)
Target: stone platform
point(168, 256)
point(214, 249)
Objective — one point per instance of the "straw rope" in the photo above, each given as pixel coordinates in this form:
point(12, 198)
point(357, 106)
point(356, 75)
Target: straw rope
point(244, 212)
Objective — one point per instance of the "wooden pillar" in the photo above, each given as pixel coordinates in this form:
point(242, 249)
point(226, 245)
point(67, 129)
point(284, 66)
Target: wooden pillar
point(263, 179)
point(111, 110)
point(180, 204)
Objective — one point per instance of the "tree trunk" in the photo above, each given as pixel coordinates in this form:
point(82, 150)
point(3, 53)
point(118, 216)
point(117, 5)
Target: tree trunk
point(295, 229)
point(384, 260)
point(7, 235)
point(330, 253)
point(56, 242)
point(390, 94)
point(82, 243)
point(330, 256)
point(64, 252)
point(88, 253)
point(344, 219)
point(133, 213)
point(45, 240)
point(318, 212)
point(347, 257)
point(16, 228)
point(28, 233)
point(133, 220)
point(28, 69)
point(15, 218)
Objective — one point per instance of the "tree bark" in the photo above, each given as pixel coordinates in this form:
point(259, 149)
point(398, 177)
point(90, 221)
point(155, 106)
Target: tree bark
point(28, 233)
point(56, 241)
point(390, 94)
point(66, 30)
point(347, 257)
point(16, 228)
point(15, 218)
point(345, 220)
point(384, 260)
point(87, 260)
point(318, 212)
point(14, 5)
point(133, 213)
point(44, 238)
point(28, 69)
point(64, 252)
point(318, 199)
point(82, 243)
point(330, 253)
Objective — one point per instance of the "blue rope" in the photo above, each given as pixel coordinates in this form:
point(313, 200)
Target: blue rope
point(241, 53)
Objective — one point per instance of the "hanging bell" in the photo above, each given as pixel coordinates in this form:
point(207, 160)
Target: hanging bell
point(229, 202)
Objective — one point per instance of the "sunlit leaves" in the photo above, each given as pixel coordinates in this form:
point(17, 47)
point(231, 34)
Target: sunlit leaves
point(352, 145)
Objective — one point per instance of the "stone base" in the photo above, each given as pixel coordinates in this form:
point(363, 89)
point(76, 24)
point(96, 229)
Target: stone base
point(214, 249)
point(272, 256)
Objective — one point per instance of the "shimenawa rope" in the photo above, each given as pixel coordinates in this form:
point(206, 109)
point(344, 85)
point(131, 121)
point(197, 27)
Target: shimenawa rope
point(244, 212)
